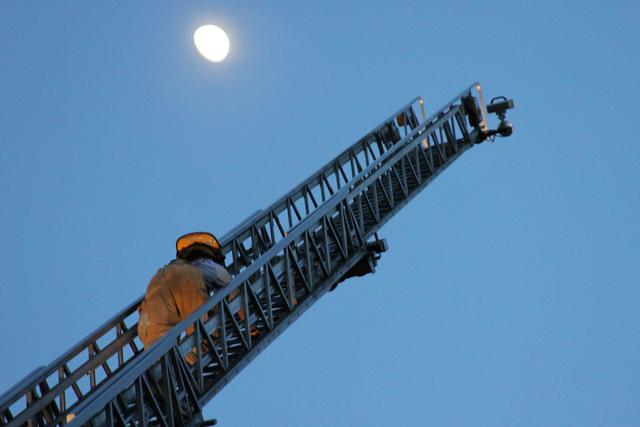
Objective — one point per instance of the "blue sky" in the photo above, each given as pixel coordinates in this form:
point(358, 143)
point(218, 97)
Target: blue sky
point(510, 292)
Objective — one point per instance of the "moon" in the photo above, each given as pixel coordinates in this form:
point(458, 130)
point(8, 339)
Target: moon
point(212, 42)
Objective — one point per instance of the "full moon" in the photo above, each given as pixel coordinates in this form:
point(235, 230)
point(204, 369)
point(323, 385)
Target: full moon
point(212, 42)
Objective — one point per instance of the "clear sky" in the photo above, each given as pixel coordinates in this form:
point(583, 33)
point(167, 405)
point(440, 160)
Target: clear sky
point(510, 292)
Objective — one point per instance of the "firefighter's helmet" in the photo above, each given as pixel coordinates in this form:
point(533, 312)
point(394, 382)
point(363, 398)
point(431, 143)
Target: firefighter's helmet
point(193, 245)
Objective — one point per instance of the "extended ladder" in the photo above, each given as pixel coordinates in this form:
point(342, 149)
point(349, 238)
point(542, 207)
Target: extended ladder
point(282, 260)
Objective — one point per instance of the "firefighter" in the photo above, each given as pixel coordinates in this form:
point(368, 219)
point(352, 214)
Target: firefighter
point(182, 286)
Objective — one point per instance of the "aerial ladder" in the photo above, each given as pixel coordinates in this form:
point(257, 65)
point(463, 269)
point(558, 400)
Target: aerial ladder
point(282, 260)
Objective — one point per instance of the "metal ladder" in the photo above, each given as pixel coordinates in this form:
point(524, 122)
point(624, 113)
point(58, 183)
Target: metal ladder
point(282, 259)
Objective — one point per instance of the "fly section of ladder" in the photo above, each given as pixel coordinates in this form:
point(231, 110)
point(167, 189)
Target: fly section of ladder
point(285, 271)
point(51, 394)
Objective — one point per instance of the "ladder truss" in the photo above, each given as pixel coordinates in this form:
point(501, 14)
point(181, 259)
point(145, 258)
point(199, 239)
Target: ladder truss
point(282, 259)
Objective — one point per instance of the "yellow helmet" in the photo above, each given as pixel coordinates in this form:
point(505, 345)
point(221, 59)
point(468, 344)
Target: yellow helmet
point(200, 241)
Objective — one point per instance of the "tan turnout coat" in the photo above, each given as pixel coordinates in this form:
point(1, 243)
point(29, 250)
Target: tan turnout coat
point(174, 292)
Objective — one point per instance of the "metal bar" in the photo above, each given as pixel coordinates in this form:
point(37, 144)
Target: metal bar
point(140, 403)
point(234, 323)
point(199, 338)
point(151, 397)
point(287, 277)
point(267, 284)
point(167, 390)
point(245, 307)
